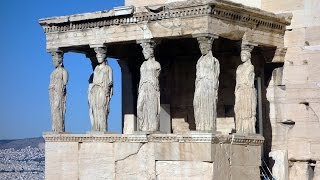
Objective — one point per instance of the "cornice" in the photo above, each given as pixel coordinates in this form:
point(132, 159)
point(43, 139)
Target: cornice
point(223, 10)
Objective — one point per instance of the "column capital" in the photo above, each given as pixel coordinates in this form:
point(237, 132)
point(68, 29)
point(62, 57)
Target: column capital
point(247, 46)
point(97, 46)
point(55, 51)
point(152, 42)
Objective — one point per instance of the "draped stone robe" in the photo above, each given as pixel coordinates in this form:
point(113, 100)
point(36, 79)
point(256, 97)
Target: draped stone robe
point(57, 92)
point(245, 99)
point(100, 92)
point(148, 105)
point(206, 92)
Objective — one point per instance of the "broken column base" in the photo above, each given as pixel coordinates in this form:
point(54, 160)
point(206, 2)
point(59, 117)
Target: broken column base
point(155, 156)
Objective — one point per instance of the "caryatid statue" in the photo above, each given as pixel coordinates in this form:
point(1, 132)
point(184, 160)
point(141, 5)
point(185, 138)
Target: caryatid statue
point(206, 87)
point(245, 93)
point(57, 92)
point(100, 92)
point(148, 105)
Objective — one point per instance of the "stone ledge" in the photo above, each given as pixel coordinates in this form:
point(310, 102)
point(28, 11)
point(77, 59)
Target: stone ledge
point(158, 138)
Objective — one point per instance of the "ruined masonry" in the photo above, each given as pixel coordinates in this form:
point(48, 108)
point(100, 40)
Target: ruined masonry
point(211, 89)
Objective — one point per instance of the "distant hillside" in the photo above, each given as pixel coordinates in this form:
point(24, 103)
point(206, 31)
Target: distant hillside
point(22, 159)
point(21, 143)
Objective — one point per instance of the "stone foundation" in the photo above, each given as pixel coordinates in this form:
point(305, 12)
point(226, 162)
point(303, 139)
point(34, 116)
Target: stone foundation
point(156, 156)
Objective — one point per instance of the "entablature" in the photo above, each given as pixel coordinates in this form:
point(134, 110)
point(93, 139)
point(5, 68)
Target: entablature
point(172, 20)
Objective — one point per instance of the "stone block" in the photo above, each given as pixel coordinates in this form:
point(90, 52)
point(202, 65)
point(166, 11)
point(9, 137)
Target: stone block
point(305, 130)
point(296, 112)
point(312, 35)
point(138, 166)
point(61, 160)
point(191, 170)
point(304, 18)
point(184, 151)
point(225, 125)
point(129, 123)
point(295, 38)
point(244, 172)
point(124, 150)
point(303, 95)
point(299, 171)
point(292, 77)
point(299, 149)
point(315, 149)
point(294, 56)
point(245, 155)
point(276, 94)
point(180, 126)
point(221, 167)
point(276, 112)
point(96, 161)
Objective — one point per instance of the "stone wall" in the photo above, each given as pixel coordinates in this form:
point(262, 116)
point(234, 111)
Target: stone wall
point(294, 98)
point(157, 156)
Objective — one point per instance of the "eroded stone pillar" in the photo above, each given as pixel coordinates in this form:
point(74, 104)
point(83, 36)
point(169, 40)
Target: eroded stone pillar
point(100, 91)
point(206, 86)
point(280, 167)
point(129, 118)
point(57, 92)
point(148, 105)
point(245, 93)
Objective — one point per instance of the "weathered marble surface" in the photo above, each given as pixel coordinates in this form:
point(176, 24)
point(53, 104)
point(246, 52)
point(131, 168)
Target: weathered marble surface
point(245, 93)
point(206, 87)
point(142, 156)
point(148, 103)
point(280, 167)
point(57, 92)
point(100, 92)
point(191, 170)
point(299, 171)
point(225, 125)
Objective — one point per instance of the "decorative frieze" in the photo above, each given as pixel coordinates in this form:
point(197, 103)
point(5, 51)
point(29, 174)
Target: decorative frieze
point(160, 138)
point(234, 14)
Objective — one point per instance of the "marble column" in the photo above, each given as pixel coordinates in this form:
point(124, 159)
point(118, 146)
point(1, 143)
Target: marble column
point(148, 104)
point(100, 91)
point(57, 92)
point(94, 64)
point(129, 118)
point(206, 86)
point(245, 93)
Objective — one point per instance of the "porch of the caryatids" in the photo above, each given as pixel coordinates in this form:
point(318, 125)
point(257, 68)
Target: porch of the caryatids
point(100, 90)
point(58, 92)
point(206, 86)
point(148, 104)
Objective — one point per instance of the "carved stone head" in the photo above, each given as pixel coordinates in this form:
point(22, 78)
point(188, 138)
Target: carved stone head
point(148, 49)
point(205, 44)
point(246, 52)
point(57, 58)
point(101, 54)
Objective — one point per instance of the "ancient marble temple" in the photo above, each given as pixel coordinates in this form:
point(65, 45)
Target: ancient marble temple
point(193, 90)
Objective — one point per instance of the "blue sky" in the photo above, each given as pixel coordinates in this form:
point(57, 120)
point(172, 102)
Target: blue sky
point(25, 67)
